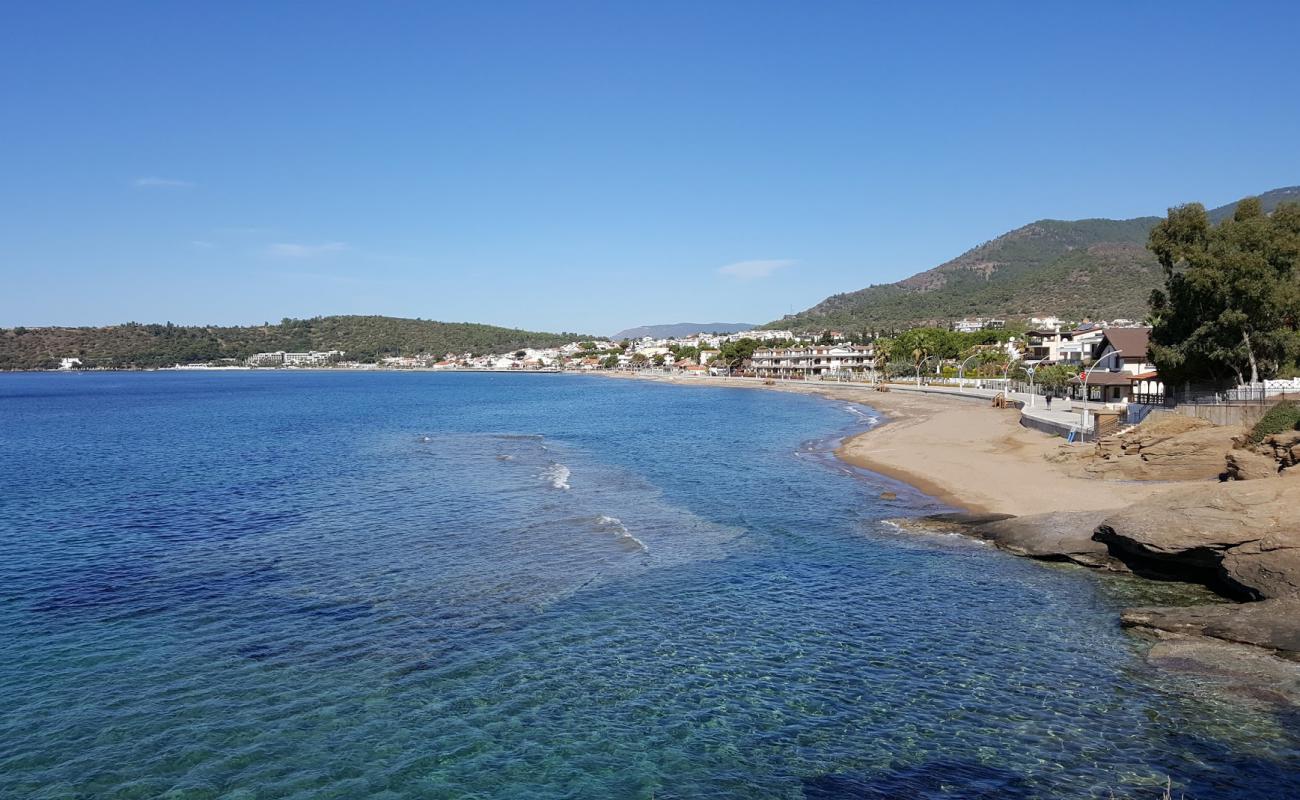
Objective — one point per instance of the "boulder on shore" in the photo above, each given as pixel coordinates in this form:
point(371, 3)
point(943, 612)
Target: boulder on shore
point(1054, 536)
point(1241, 539)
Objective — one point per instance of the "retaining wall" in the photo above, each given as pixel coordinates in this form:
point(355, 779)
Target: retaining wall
point(1224, 414)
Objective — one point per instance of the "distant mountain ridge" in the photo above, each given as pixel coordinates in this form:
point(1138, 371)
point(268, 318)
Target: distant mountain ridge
point(360, 337)
point(680, 329)
point(1078, 269)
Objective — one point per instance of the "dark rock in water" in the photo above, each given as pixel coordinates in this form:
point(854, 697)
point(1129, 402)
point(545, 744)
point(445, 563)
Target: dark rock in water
point(1241, 671)
point(1054, 536)
point(965, 518)
point(1240, 538)
point(1271, 624)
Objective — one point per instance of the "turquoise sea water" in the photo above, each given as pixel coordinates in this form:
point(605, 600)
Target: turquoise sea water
point(533, 586)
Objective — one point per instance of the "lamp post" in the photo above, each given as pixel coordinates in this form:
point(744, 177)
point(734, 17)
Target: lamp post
point(1033, 396)
point(961, 372)
point(1087, 373)
point(1006, 377)
point(920, 364)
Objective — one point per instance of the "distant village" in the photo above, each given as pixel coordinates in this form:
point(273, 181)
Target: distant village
point(783, 354)
point(1104, 362)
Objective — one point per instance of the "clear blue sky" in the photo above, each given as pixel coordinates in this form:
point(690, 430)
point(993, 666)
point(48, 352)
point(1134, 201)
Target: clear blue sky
point(590, 166)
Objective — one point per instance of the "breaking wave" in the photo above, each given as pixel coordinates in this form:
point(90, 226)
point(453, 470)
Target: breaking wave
point(558, 476)
point(616, 526)
point(869, 419)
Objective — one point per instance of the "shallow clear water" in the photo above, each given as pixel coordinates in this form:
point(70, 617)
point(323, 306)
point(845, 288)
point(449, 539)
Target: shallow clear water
point(536, 586)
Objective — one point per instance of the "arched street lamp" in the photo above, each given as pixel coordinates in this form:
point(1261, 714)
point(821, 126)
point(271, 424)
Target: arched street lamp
point(1006, 375)
point(1087, 373)
point(920, 364)
point(961, 372)
point(1033, 396)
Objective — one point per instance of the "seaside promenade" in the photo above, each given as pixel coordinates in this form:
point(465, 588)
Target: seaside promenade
point(1063, 417)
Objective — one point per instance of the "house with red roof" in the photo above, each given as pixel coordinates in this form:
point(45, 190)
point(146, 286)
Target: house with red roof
point(1121, 371)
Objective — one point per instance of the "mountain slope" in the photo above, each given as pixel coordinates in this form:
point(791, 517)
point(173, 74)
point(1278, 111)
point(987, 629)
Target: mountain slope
point(678, 329)
point(1269, 200)
point(1080, 269)
point(365, 337)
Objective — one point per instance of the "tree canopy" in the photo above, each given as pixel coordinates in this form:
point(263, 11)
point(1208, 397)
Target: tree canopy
point(1231, 295)
point(913, 346)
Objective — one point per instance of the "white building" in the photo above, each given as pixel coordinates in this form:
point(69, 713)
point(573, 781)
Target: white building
point(69, 363)
point(762, 336)
point(275, 359)
point(282, 359)
point(783, 362)
point(310, 358)
point(1080, 345)
point(978, 324)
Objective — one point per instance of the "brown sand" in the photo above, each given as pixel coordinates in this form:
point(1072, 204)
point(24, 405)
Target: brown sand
point(962, 452)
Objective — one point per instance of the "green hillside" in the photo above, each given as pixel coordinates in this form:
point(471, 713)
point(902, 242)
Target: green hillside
point(363, 338)
point(1081, 269)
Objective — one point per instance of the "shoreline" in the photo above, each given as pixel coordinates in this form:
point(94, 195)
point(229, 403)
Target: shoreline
point(962, 452)
point(980, 459)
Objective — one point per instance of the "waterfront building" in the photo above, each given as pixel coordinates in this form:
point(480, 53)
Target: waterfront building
point(311, 358)
point(812, 360)
point(282, 359)
point(1125, 373)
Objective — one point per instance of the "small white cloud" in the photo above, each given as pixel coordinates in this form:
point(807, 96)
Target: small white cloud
point(748, 270)
point(294, 250)
point(160, 183)
point(203, 244)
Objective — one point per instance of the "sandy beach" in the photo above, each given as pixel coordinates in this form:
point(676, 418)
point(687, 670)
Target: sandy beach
point(960, 451)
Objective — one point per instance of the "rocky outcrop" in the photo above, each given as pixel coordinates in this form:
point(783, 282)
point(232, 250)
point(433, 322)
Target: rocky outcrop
point(1058, 536)
point(1165, 447)
point(1254, 673)
point(1266, 459)
point(1248, 465)
point(1241, 539)
point(1271, 624)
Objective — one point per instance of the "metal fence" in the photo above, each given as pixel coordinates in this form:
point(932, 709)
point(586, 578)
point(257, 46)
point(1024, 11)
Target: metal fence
point(1219, 396)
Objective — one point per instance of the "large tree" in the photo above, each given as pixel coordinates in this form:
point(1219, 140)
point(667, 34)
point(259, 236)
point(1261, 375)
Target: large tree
point(1231, 299)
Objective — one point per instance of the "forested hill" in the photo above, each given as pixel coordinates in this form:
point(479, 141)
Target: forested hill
point(1080, 269)
point(363, 338)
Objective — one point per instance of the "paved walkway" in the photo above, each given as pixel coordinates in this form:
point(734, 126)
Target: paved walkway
point(1061, 419)
point(1064, 414)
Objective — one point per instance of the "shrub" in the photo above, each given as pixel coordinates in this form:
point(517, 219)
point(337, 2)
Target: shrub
point(1285, 416)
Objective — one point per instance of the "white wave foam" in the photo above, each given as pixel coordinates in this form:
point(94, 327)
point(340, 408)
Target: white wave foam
point(558, 475)
point(616, 525)
point(869, 419)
